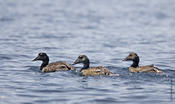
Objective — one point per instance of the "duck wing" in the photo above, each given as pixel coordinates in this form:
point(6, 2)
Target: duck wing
point(149, 68)
point(57, 66)
point(93, 71)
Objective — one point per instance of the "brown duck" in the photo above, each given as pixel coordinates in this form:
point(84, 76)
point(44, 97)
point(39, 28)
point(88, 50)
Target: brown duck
point(52, 67)
point(135, 66)
point(92, 71)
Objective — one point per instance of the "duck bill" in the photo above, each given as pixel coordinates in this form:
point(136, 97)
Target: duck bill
point(125, 59)
point(35, 59)
point(76, 61)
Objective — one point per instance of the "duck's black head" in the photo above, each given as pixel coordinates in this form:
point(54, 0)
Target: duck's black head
point(84, 60)
point(133, 57)
point(42, 57)
point(81, 59)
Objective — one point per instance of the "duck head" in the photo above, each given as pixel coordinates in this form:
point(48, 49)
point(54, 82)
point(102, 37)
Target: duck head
point(133, 57)
point(42, 57)
point(82, 59)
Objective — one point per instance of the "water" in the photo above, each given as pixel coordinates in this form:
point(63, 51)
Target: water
point(106, 31)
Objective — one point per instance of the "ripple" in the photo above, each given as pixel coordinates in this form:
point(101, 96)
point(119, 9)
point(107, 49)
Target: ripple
point(50, 101)
point(106, 31)
point(6, 19)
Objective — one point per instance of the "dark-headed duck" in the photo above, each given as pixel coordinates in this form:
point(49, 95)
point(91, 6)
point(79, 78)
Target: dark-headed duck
point(92, 71)
point(135, 66)
point(52, 67)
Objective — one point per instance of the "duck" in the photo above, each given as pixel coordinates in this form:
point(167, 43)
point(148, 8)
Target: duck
point(92, 71)
point(52, 67)
point(135, 66)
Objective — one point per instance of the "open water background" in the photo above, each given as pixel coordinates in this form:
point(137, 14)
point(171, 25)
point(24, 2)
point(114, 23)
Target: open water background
point(106, 31)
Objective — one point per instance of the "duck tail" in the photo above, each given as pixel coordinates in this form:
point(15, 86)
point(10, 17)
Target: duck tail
point(114, 74)
point(159, 71)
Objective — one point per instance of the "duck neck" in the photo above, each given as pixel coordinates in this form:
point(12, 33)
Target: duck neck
point(45, 63)
point(135, 62)
point(85, 65)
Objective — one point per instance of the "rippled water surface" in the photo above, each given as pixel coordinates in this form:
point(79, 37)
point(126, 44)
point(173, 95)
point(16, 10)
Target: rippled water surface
point(106, 31)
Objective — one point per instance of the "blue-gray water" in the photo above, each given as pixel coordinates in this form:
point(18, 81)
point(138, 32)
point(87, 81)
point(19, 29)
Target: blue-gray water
point(106, 31)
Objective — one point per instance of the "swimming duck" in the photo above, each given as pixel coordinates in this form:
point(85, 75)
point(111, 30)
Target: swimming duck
point(135, 66)
point(52, 67)
point(92, 71)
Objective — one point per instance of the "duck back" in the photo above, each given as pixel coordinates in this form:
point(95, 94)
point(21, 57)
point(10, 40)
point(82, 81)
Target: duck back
point(93, 71)
point(148, 68)
point(57, 66)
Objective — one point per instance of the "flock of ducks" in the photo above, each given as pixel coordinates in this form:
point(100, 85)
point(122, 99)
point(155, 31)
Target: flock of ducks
point(86, 70)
